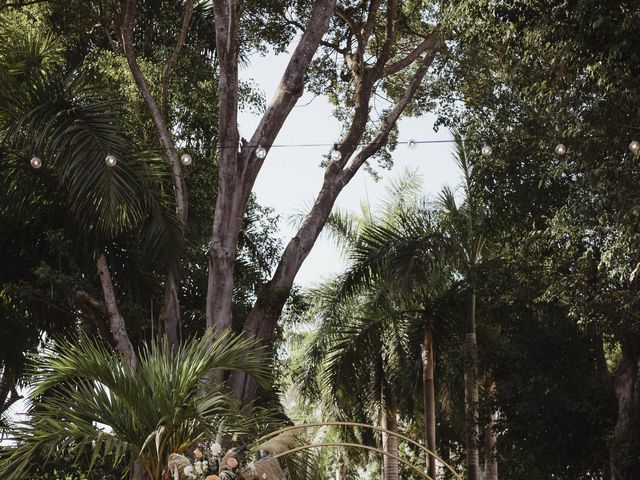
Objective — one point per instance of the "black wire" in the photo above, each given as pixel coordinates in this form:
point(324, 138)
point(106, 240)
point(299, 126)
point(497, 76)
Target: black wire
point(287, 145)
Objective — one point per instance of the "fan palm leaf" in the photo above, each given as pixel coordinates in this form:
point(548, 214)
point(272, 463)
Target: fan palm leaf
point(88, 399)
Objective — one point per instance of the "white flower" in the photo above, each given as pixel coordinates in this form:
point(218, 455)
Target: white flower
point(199, 469)
point(188, 472)
point(205, 464)
point(216, 449)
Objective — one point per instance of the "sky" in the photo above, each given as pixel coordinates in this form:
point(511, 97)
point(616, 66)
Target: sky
point(291, 177)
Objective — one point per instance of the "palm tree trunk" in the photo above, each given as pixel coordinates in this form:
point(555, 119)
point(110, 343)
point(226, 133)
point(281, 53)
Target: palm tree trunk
point(490, 437)
point(429, 397)
point(624, 445)
point(472, 428)
point(390, 466)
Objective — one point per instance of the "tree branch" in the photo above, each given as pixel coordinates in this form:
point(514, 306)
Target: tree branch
point(427, 44)
point(370, 24)
point(391, 118)
point(390, 36)
point(156, 116)
point(116, 322)
point(291, 85)
point(92, 309)
point(324, 43)
point(168, 69)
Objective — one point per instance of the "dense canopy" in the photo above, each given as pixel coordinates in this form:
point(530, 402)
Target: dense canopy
point(151, 323)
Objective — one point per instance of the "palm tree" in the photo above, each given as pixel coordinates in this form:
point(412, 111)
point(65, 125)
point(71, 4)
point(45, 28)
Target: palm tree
point(68, 125)
point(359, 364)
point(395, 277)
point(87, 398)
point(463, 224)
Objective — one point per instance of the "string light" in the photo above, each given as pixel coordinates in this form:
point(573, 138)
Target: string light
point(186, 159)
point(561, 149)
point(261, 152)
point(36, 162)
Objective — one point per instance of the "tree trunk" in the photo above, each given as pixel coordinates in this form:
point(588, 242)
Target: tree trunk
point(625, 444)
point(237, 171)
point(263, 318)
point(472, 428)
point(490, 437)
point(429, 396)
point(390, 466)
point(116, 322)
point(170, 313)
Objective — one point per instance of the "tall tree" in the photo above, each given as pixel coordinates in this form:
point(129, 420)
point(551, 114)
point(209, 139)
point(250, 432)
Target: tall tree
point(357, 31)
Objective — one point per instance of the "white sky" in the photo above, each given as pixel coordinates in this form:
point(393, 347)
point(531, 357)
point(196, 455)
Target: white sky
point(291, 177)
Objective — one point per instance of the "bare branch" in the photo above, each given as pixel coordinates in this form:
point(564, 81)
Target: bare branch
point(168, 69)
point(391, 118)
point(370, 25)
point(291, 86)
point(427, 44)
point(156, 116)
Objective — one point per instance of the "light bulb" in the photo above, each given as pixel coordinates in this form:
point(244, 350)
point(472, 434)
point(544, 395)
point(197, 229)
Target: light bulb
point(186, 159)
point(335, 155)
point(111, 160)
point(486, 150)
point(412, 144)
point(261, 152)
point(634, 146)
point(36, 162)
point(561, 149)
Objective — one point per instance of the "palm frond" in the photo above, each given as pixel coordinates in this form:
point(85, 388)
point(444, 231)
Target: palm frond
point(90, 399)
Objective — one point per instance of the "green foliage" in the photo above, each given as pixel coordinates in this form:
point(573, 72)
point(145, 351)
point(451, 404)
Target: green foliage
point(87, 399)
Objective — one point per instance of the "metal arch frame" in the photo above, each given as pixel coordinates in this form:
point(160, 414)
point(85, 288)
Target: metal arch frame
point(352, 445)
point(305, 426)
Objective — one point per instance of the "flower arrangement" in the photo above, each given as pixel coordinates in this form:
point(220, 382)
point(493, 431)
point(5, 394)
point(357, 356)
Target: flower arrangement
point(209, 462)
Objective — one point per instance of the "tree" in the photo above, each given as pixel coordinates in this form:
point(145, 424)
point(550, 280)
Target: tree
point(86, 397)
point(385, 47)
point(546, 83)
point(355, 30)
point(463, 225)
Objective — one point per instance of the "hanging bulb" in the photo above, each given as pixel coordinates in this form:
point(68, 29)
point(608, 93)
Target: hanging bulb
point(111, 160)
point(186, 159)
point(412, 144)
point(261, 152)
point(36, 162)
point(335, 155)
point(561, 149)
point(486, 150)
point(634, 146)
